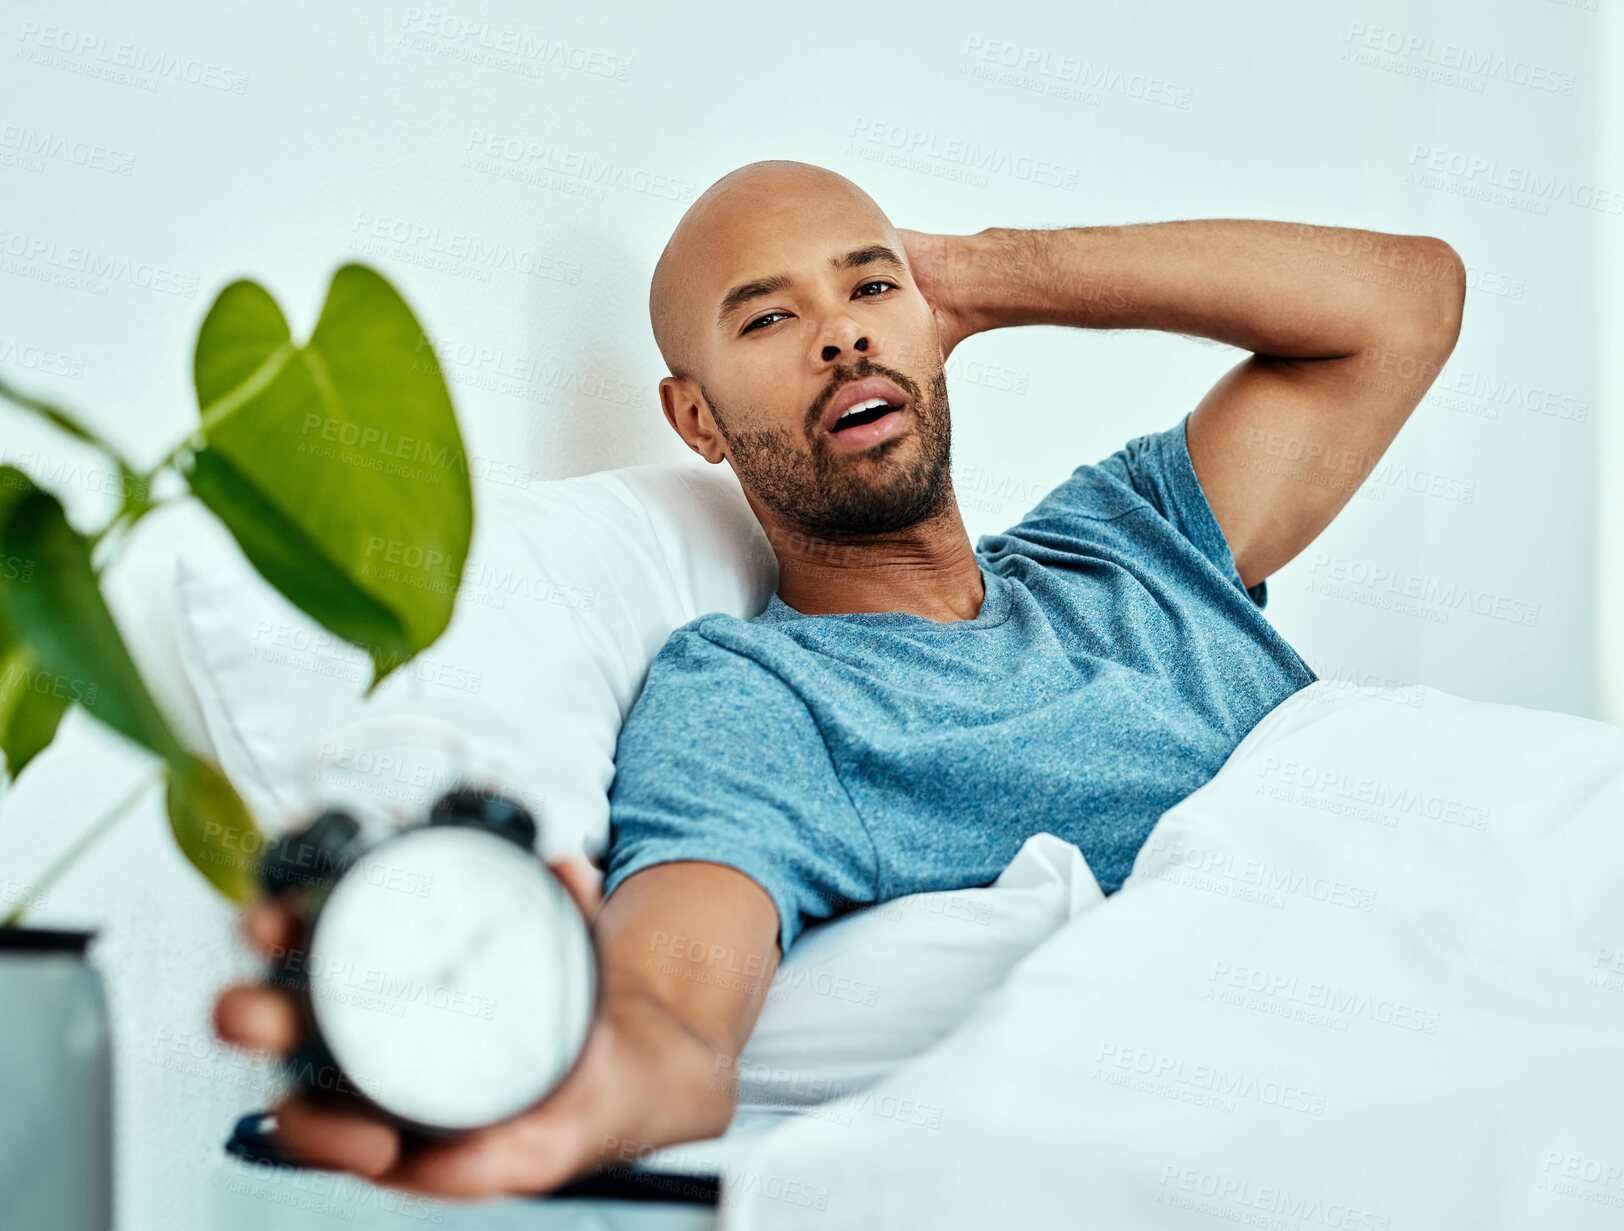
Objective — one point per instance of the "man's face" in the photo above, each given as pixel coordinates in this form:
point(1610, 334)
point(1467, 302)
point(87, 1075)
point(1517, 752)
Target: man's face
point(807, 308)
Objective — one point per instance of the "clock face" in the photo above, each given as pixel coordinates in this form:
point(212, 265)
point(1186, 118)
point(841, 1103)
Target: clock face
point(451, 976)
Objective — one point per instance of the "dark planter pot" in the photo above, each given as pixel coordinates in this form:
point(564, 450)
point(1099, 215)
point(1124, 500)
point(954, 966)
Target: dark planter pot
point(56, 1121)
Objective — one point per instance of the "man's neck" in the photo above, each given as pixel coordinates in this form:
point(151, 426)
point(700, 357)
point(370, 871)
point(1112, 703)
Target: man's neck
point(928, 570)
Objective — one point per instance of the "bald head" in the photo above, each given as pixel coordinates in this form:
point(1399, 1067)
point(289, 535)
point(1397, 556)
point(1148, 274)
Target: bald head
point(732, 215)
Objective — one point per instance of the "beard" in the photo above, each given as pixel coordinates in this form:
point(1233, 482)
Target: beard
point(841, 496)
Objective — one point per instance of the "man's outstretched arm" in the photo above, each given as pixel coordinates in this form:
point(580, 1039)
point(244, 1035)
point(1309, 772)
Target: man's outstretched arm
point(686, 953)
point(1348, 329)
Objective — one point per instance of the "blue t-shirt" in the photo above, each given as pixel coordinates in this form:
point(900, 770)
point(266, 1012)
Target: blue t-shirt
point(843, 760)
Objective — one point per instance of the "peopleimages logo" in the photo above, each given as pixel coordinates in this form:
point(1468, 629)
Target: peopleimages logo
point(32, 143)
point(1387, 796)
point(536, 157)
point(465, 247)
point(1337, 1004)
point(137, 59)
point(1259, 874)
point(1457, 58)
point(1221, 1088)
point(99, 268)
point(1535, 186)
point(1483, 395)
point(1334, 574)
point(1272, 1205)
point(907, 141)
point(41, 359)
point(480, 42)
point(1093, 80)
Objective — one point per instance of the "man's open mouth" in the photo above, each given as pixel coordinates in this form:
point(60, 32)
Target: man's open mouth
point(866, 412)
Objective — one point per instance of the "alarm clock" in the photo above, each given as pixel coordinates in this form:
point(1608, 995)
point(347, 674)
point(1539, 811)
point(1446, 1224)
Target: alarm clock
point(449, 978)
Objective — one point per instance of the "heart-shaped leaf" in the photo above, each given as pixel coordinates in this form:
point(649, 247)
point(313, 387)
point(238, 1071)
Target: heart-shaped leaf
point(337, 465)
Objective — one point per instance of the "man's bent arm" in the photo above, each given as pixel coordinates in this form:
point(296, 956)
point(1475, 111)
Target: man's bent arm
point(1348, 329)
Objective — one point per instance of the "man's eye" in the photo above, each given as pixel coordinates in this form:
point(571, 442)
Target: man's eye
point(760, 319)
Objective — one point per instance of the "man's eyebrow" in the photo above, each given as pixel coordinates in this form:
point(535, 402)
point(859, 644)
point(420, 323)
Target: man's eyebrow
point(874, 254)
point(756, 288)
point(746, 292)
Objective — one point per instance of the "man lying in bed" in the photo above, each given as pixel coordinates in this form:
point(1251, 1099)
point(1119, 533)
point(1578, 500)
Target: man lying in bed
point(909, 709)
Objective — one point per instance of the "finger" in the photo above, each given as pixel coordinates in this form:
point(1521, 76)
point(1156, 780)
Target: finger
point(268, 927)
point(253, 1015)
point(584, 882)
point(336, 1137)
point(566, 1135)
point(533, 1154)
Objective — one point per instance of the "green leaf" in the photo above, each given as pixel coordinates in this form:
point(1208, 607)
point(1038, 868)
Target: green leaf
point(281, 553)
point(51, 604)
point(337, 465)
point(243, 332)
point(213, 829)
point(32, 703)
point(137, 494)
point(56, 625)
point(15, 486)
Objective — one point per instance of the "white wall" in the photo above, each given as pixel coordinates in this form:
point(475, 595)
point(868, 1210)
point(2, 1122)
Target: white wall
point(347, 132)
point(1609, 364)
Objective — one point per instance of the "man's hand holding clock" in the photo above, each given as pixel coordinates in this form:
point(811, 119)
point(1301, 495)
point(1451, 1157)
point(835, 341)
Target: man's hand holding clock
point(657, 1066)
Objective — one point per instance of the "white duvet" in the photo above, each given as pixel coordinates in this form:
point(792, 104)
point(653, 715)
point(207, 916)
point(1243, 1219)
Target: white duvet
point(1371, 976)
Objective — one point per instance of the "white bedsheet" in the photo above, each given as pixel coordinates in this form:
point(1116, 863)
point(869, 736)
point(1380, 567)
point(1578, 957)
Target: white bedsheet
point(1371, 976)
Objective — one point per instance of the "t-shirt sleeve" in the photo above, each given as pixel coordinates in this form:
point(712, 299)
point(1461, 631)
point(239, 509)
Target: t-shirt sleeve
point(719, 760)
point(1158, 468)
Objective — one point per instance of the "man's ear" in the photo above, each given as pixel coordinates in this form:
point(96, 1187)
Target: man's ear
point(689, 417)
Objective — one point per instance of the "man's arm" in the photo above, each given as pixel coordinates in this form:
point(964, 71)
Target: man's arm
point(1348, 329)
point(658, 1067)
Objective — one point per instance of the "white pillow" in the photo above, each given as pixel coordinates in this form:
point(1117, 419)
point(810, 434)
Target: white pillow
point(858, 995)
point(571, 588)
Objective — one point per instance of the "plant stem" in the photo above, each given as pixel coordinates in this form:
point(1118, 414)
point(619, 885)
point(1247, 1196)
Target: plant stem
point(150, 477)
point(100, 535)
point(80, 845)
point(62, 420)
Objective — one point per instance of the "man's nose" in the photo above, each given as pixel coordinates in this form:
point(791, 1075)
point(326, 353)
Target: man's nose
point(832, 351)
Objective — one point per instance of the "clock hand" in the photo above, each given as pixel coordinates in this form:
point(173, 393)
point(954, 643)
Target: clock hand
point(461, 959)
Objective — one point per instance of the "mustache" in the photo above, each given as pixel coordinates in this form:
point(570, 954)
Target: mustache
point(856, 372)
